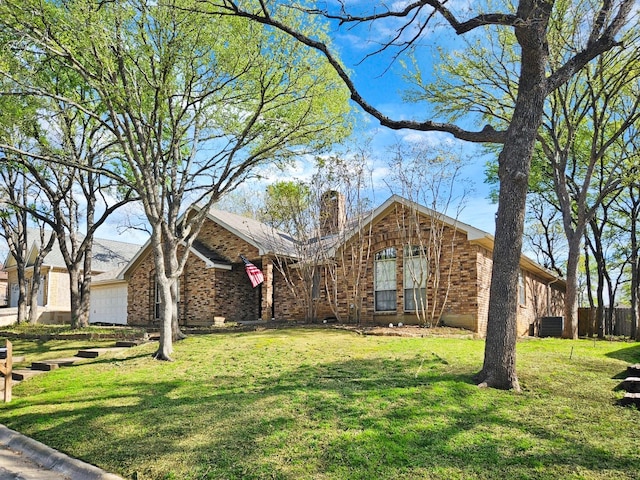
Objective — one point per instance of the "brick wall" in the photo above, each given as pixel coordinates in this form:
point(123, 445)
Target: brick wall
point(291, 296)
point(457, 289)
point(204, 292)
point(541, 297)
point(462, 296)
point(484, 264)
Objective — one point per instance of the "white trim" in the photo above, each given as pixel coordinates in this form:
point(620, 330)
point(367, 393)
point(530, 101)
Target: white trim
point(474, 235)
point(209, 262)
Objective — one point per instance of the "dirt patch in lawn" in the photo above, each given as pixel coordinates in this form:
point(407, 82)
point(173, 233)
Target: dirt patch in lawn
point(409, 331)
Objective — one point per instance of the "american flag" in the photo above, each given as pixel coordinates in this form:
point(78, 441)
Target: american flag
point(254, 273)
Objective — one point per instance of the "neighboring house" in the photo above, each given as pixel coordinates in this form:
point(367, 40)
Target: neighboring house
point(109, 257)
point(214, 283)
point(109, 296)
point(4, 287)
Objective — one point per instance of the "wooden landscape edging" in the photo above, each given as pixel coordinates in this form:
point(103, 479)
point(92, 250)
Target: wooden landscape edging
point(6, 369)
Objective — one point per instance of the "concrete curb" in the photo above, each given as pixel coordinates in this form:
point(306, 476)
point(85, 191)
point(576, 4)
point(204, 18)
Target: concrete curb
point(52, 459)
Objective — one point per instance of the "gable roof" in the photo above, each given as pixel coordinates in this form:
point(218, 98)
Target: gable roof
point(106, 254)
point(265, 238)
point(474, 235)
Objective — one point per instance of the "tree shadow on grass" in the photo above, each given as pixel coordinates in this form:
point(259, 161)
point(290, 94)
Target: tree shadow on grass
point(629, 354)
point(373, 418)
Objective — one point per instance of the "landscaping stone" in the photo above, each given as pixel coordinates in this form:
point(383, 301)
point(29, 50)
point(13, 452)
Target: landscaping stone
point(631, 399)
point(631, 384)
point(48, 365)
point(96, 352)
point(129, 343)
point(20, 374)
point(633, 370)
point(25, 373)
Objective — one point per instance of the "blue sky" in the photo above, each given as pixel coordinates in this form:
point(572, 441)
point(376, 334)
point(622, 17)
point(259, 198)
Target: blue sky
point(380, 81)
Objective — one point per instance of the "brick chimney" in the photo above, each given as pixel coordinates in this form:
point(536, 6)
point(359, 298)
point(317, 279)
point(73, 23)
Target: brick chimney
point(333, 215)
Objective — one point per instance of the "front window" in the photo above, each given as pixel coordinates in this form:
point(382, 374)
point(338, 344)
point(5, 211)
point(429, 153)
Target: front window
point(158, 300)
point(522, 291)
point(415, 278)
point(315, 284)
point(385, 280)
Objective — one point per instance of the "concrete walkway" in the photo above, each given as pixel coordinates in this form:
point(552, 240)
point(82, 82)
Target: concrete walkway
point(23, 458)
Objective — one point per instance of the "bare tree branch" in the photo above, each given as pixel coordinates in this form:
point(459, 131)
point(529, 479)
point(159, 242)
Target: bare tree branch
point(487, 135)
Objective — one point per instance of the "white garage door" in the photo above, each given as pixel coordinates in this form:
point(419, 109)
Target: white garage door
point(109, 305)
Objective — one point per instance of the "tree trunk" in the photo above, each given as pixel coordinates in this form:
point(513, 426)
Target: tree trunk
point(499, 368)
point(171, 267)
point(22, 296)
point(636, 316)
point(635, 271)
point(176, 333)
point(33, 301)
point(36, 280)
point(570, 329)
point(84, 306)
point(165, 347)
point(74, 292)
point(600, 307)
point(609, 312)
point(587, 270)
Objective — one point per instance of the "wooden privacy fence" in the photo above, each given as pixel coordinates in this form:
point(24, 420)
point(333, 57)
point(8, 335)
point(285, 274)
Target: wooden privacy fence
point(617, 321)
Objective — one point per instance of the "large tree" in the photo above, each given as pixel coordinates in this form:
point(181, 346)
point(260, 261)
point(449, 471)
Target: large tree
point(66, 151)
point(17, 190)
point(529, 20)
point(193, 104)
point(584, 142)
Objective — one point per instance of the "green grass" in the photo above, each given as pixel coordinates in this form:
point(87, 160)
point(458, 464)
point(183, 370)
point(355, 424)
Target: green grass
point(329, 404)
point(62, 331)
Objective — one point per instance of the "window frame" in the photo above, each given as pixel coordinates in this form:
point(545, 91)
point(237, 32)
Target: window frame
point(414, 254)
point(522, 289)
point(386, 256)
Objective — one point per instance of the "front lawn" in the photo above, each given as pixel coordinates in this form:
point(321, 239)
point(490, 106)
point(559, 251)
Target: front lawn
point(330, 404)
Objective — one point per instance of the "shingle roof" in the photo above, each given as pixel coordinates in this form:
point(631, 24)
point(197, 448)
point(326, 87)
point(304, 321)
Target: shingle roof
point(107, 254)
point(270, 241)
point(265, 238)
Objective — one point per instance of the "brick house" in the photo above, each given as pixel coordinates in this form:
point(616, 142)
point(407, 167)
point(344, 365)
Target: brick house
point(370, 271)
point(403, 240)
point(214, 282)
